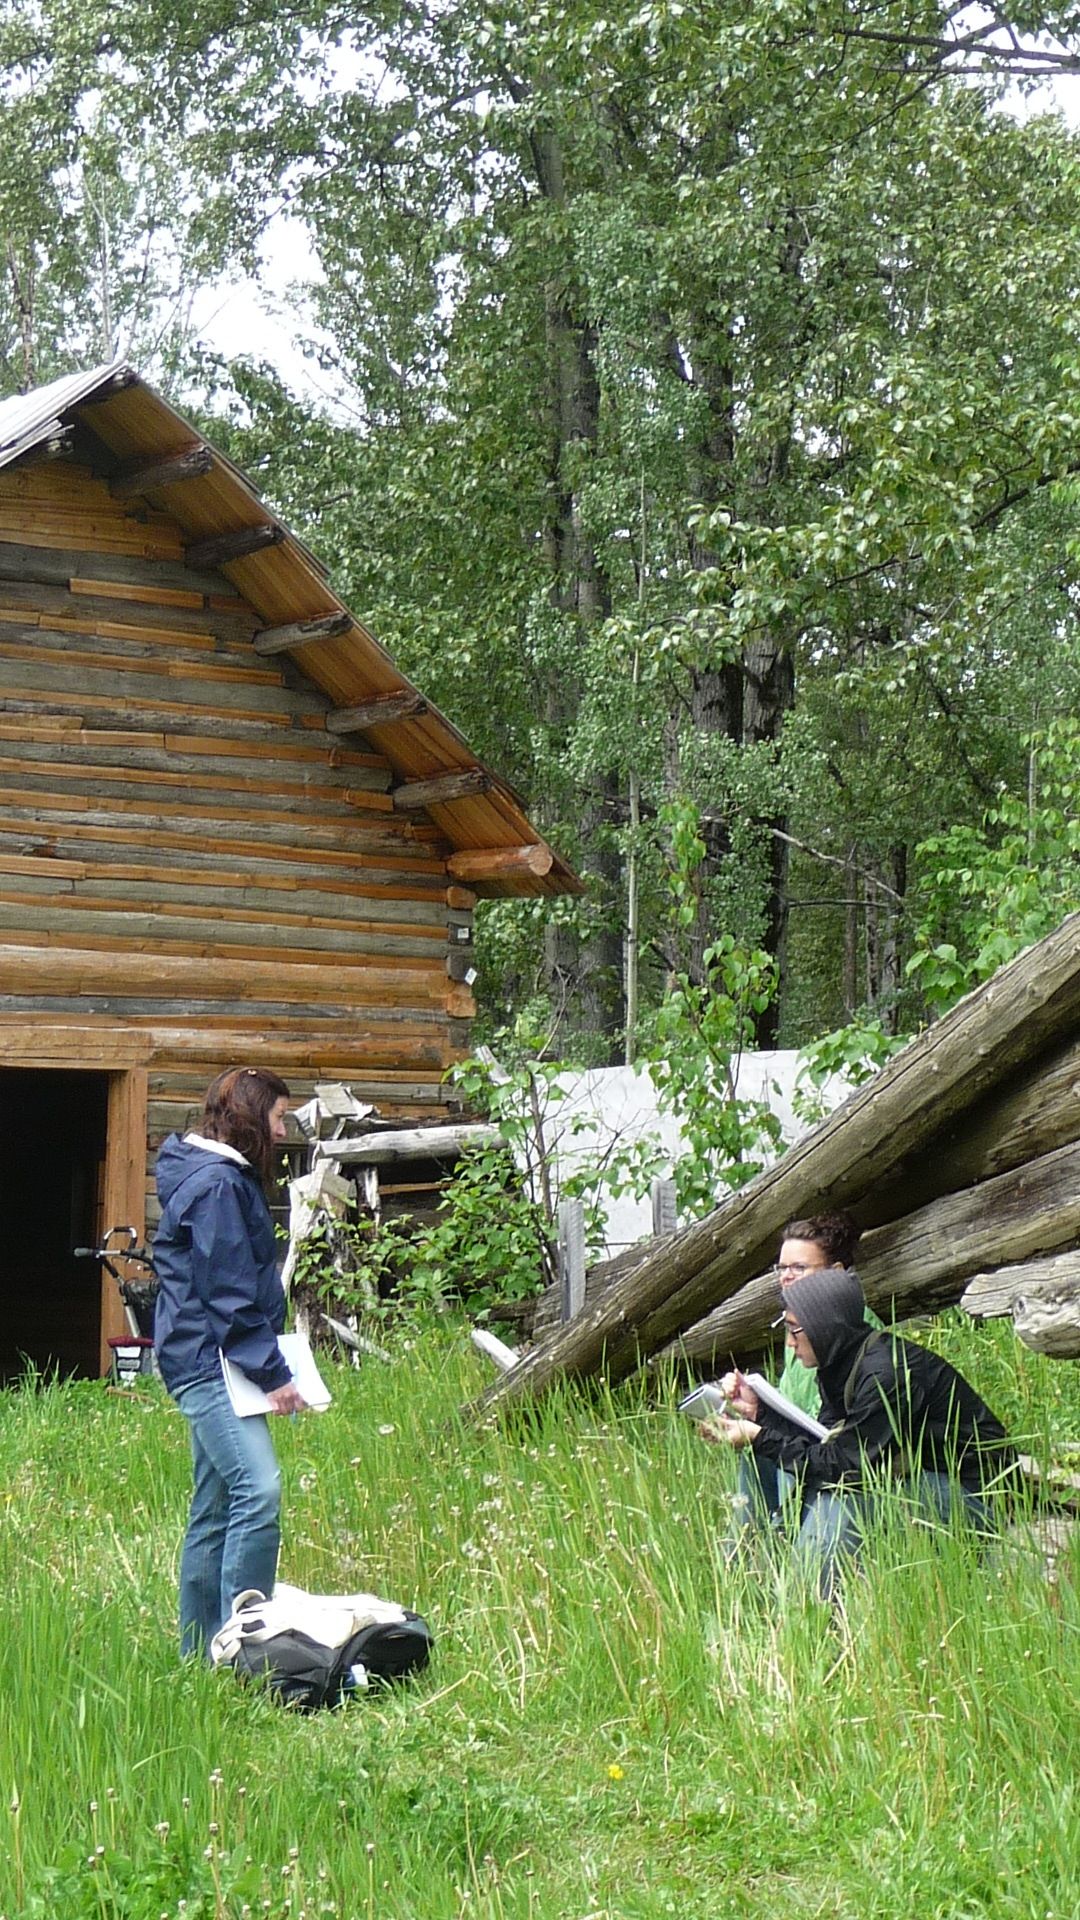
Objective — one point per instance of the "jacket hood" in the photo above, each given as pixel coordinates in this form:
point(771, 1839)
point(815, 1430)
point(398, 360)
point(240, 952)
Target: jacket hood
point(179, 1158)
point(830, 1306)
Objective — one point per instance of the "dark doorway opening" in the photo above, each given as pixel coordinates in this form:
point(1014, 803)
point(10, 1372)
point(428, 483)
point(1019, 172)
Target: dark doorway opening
point(52, 1153)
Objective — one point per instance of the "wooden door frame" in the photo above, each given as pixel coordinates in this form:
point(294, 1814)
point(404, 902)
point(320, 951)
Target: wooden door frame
point(123, 1192)
point(123, 1199)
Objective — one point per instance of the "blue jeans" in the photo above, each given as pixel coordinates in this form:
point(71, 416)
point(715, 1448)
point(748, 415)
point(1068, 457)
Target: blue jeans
point(833, 1522)
point(762, 1491)
point(233, 1530)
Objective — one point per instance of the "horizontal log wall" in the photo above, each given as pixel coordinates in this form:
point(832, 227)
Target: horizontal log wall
point(194, 871)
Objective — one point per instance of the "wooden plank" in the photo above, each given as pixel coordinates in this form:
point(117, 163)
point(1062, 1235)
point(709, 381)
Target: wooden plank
point(257, 693)
point(461, 897)
point(236, 758)
point(124, 1193)
point(266, 835)
point(380, 712)
point(417, 1014)
point(128, 590)
point(143, 800)
point(26, 694)
point(301, 633)
point(59, 1045)
point(571, 1257)
point(393, 907)
point(90, 939)
point(140, 652)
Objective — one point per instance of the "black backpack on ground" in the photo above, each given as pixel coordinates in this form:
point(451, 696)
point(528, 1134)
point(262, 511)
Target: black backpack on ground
point(315, 1650)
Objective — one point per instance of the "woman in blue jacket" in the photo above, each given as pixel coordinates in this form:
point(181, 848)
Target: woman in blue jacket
point(214, 1255)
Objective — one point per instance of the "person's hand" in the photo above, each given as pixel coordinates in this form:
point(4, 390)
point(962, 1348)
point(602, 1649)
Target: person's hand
point(729, 1433)
point(740, 1395)
point(286, 1400)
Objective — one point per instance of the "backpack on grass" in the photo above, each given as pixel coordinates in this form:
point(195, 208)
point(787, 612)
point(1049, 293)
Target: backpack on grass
point(314, 1649)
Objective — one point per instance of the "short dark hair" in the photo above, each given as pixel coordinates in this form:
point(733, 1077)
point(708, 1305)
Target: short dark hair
point(837, 1234)
point(237, 1111)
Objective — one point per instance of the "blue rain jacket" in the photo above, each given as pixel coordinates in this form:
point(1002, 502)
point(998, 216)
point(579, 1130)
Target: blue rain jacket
point(215, 1259)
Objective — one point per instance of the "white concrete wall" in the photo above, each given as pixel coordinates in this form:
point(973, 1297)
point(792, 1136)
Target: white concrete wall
point(620, 1104)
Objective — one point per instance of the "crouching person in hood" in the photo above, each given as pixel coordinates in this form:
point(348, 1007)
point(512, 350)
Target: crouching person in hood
point(892, 1409)
point(216, 1261)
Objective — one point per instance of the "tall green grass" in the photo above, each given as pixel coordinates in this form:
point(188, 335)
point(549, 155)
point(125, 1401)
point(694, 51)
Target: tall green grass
point(616, 1725)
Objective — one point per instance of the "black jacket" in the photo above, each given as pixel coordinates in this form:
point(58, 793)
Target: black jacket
point(892, 1405)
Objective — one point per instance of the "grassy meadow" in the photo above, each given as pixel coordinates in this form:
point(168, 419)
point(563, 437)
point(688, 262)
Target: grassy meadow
point(616, 1726)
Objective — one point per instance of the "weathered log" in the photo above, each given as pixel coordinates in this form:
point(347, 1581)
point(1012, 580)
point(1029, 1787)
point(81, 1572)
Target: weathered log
point(1006, 1128)
point(978, 1044)
point(493, 863)
point(1038, 1110)
point(207, 555)
point(921, 1262)
point(301, 633)
point(376, 713)
point(143, 475)
point(1043, 1297)
point(415, 1143)
point(440, 789)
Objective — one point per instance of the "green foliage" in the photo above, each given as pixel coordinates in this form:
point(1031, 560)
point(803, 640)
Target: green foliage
point(913, 1753)
point(491, 1242)
point(692, 374)
point(989, 891)
point(853, 1054)
point(697, 1035)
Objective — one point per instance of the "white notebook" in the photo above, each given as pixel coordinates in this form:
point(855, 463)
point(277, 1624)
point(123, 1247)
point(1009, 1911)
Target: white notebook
point(708, 1399)
point(296, 1351)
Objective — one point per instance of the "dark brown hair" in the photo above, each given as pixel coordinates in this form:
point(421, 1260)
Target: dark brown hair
point(237, 1111)
point(837, 1234)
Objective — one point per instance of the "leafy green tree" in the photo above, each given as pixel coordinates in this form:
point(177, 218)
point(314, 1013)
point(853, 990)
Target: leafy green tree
point(700, 365)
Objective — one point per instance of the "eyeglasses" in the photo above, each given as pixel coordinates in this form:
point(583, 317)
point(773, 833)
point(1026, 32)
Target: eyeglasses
point(791, 1331)
point(795, 1266)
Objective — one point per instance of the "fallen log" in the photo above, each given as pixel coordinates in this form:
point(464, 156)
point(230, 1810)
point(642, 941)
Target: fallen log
point(921, 1263)
point(1009, 1126)
point(1043, 1298)
point(408, 1143)
point(978, 1044)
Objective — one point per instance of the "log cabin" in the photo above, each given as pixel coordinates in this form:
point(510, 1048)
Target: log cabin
point(230, 832)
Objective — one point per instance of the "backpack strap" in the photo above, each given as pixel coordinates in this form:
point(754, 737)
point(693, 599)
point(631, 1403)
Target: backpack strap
point(875, 1335)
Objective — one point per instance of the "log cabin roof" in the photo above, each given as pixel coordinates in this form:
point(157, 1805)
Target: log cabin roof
point(230, 529)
